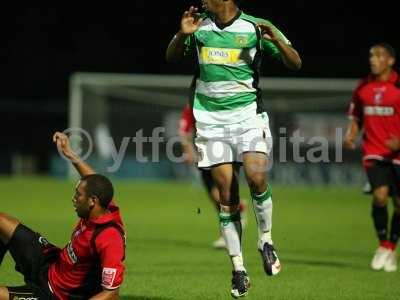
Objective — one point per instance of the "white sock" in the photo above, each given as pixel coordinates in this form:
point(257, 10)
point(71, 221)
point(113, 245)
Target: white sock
point(232, 233)
point(237, 262)
point(263, 210)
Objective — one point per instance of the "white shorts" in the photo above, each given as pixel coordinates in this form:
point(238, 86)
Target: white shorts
point(219, 144)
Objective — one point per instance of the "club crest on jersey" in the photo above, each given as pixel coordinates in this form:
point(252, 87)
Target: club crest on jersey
point(378, 94)
point(241, 40)
point(108, 277)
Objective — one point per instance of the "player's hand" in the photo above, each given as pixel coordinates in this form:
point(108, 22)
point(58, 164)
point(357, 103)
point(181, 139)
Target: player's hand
point(349, 143)
point(190, 21)
point(63, 145)
point(393, 144)
point(267, 33)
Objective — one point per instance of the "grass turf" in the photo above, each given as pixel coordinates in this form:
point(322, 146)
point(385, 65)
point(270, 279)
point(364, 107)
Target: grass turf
point(323, 235)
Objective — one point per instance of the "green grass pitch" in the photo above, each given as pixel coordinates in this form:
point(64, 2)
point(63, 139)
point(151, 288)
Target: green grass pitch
point(323, 235)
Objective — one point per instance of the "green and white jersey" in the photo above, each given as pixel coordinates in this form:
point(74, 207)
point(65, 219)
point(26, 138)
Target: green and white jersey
point(229, 60)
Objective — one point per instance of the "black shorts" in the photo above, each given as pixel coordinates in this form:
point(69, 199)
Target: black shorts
point(382, 173)
point(207, 179)
point(32, 254)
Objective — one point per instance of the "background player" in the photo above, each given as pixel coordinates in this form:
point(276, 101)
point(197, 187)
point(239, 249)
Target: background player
point(90, 266)
point(375, 108)
point(231, 123)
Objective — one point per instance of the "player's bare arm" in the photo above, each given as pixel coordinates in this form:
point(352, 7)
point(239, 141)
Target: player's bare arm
point(352, 131)
point(290, 56)
point(63, 145)
point(189, 24)
point(107, 295)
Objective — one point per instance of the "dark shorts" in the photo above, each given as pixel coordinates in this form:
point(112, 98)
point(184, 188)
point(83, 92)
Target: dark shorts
point(32, 254)
point(381, 173)
point(207, 179)
point(209, 183)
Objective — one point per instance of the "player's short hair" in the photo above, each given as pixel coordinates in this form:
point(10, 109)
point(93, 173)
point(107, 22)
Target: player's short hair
point(237, 2)
point(388, 48)
point(99, 186)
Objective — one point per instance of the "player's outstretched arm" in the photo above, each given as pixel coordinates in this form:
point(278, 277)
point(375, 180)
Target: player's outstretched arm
point(63, 145)
point(189, 24)
point(352, 131)
point(290, 56)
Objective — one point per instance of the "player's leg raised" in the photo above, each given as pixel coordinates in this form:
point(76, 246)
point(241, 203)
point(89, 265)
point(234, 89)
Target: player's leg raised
point(255, 166)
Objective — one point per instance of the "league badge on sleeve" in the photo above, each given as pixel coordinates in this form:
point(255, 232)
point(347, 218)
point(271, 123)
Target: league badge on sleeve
point(108, 277)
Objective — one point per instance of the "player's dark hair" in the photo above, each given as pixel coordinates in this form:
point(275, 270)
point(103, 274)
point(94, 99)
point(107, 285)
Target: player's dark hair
point(99, 186)
point(237, 2)
point(388, 48)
